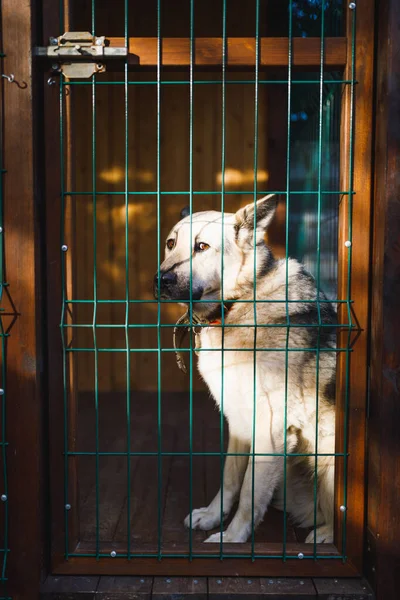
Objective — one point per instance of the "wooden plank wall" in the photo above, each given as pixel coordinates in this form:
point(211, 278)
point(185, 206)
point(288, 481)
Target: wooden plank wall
point(142, 165)
point(142, 176)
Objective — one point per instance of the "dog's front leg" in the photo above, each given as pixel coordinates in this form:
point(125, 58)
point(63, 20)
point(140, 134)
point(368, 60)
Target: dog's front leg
point(268, 470)
point(235, 466)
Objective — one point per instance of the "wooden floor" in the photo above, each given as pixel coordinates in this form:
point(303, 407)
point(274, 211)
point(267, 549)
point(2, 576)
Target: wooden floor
point(160, 490)
point(203, 588)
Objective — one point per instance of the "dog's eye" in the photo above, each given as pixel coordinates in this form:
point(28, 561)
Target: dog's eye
point(201, 247)
point(170, 243)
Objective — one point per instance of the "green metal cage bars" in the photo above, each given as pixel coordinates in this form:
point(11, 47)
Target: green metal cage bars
point(324, 122)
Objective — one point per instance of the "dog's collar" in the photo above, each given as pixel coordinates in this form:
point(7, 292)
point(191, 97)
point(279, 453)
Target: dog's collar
point(218, 320)
point(195, 323)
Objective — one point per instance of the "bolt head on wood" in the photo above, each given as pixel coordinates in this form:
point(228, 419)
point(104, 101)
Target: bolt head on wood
point(352, 5)
point(342, 508)
point(67, 507)
point(300, 555)
point(3, 498)
point(113, 554)
point(347, 243)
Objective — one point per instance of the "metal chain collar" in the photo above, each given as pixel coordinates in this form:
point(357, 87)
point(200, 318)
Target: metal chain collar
point(180, 332)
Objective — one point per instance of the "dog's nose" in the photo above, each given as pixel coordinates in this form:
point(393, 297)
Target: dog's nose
point(166, 279)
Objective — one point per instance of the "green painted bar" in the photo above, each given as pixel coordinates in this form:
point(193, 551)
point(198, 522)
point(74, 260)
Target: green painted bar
point(205, 193)
point(234, 325)
point(126, 324)
point(159, 355)
point(350, 238)
point(96, 357)
point(223, 161)
point(213, 82)
point(320, 126)
point(288, 150)
point(191, 71)
point(63, 315)
point(255, 168)
point(88, 453)
point(190, 349)
point(110, 301)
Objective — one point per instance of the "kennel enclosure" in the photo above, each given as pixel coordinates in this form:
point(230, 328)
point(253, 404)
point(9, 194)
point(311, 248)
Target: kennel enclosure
point(113, 338)
point(106, 191)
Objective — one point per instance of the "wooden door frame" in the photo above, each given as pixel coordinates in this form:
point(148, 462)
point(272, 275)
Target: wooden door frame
point(357, 117)
point(358, 362)
point(361, 182)
point(383, 516)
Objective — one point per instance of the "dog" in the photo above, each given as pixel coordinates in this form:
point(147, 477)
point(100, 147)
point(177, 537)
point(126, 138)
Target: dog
point(278, 357)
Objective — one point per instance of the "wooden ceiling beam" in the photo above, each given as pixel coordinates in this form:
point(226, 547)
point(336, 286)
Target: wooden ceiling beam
point(241, 52)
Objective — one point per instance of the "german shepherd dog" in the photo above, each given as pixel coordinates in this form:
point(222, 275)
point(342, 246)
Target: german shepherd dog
point(270, 365)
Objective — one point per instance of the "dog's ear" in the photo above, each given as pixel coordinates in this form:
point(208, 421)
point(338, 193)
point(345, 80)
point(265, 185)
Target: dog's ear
point(265, 210)
point(185, 212)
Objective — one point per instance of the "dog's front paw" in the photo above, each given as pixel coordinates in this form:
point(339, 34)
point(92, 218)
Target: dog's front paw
point(216, 538)
point(203, 518)
point(227, 538)
point(324, 535)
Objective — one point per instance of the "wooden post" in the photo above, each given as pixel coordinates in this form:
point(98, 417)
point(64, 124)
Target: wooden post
point(383, 429)
point(24, 349)
point(360, 271)
point(52, 194)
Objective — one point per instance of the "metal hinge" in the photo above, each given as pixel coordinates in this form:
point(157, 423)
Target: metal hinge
point(79, 54)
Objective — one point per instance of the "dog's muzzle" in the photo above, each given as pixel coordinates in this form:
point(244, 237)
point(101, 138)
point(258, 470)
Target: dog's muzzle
point(167, 282)
point(171, 289)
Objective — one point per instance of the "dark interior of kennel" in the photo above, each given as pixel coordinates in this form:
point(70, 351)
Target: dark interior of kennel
point(158, 504)
point(145, 496)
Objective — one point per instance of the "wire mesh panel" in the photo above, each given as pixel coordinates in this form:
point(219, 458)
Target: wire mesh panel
point(143, 445)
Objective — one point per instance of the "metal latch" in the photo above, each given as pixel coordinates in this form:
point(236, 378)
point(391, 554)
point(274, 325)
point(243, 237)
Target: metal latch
point(80, 54)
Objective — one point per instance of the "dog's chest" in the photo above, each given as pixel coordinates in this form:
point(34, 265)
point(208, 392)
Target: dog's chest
point(239, 377)
point(229, 373)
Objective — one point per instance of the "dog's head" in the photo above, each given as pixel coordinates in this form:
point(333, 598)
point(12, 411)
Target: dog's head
point(215, 255)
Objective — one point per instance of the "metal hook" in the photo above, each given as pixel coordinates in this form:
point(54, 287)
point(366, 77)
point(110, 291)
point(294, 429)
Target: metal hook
point(10, 78)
